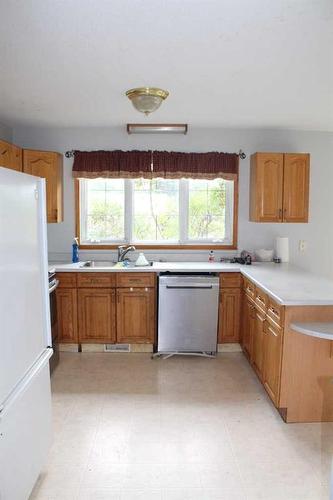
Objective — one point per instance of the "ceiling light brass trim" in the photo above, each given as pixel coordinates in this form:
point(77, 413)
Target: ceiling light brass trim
point(151, 91)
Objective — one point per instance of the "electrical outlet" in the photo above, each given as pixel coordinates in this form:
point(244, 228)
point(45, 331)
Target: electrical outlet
point(302, 246)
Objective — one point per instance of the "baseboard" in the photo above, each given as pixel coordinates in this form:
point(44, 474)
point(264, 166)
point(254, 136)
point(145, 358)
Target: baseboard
point(134, 348)
point(232, 347)
point(68, 347)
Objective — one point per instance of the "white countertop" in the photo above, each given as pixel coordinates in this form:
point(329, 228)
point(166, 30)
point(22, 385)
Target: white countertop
point(285, 283)
point(320, 330)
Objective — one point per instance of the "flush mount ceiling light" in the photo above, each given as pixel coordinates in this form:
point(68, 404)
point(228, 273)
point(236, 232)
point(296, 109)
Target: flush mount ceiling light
point(157, 128)
point(147, 99)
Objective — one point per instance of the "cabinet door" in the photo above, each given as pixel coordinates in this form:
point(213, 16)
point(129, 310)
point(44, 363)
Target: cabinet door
point(229, 315)
point(97, 315)
point(16, 158)
point(296, 187)
point(5, 154)
point(266, 187)
point(247, 325)
point(135, 315)
point(67, 315)
point(48, 165)
point(272, 360)
point(258, 339)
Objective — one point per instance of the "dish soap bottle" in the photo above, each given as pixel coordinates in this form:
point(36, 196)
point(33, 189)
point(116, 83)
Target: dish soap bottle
point(211, 257)
point(75, 250)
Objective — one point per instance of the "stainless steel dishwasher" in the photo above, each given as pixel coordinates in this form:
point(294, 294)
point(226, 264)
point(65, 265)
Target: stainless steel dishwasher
point(188, 314)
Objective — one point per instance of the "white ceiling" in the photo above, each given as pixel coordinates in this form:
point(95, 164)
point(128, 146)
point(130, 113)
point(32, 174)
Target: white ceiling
point(230, 63)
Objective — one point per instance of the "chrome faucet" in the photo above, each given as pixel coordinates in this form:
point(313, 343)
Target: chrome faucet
point(123, 250)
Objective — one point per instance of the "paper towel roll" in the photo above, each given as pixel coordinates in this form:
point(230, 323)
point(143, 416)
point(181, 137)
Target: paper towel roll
point(282, 249)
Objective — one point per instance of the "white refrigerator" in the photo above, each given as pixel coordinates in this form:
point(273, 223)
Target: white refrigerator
point(25, 334)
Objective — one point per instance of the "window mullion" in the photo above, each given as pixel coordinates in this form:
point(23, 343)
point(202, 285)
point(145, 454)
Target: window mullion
point(183, 211)
point(229, 211)
point(83, 210)
point(128, 210)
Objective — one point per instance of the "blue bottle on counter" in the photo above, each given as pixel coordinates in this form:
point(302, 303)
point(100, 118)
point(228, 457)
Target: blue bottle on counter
point(75, 250)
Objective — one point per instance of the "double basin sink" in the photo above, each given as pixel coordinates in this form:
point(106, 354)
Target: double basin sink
point(108, 263)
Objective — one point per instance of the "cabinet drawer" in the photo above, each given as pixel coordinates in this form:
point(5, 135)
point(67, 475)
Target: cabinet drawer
point(67, 280)
point(96, 280)
point(230, 280)
point(126, 280)
point(275, 311)
point(249, 288)
point(261, 299)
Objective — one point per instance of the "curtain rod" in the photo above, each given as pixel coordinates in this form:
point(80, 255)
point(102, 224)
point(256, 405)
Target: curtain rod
point(71, 154)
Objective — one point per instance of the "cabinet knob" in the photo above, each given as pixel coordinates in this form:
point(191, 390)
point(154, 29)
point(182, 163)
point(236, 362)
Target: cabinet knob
point(131, 289)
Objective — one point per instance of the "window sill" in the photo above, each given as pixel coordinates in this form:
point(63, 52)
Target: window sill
point(163, 247)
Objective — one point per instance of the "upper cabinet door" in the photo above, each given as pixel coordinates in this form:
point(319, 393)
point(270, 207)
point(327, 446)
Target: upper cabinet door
point(10, 156)
point(16, 158)
point(266, 190)
point(5, 154)
point(48, 165)
point(296, 187)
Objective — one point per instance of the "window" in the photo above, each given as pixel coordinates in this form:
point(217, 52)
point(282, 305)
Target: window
point(152, 212)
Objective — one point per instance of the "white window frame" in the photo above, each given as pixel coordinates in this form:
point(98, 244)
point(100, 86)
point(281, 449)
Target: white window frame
point(183, 240)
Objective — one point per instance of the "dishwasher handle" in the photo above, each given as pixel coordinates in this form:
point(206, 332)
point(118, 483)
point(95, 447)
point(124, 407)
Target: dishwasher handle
point(202, 287)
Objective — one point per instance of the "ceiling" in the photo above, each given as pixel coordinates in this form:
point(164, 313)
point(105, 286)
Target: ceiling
point(226, 63)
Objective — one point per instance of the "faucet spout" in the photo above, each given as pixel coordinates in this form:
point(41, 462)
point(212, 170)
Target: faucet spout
point(123, 251)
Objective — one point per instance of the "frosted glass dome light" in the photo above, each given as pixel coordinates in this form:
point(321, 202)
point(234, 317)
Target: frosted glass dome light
point(147, 99)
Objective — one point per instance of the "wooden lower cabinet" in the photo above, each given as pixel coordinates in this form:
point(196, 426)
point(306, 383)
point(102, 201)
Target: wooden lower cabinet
point(97, 315)
point(229, 315)
point(67, 315)
point(272, 354)
point(248, 319)
point(258, 341)
point(135, 315)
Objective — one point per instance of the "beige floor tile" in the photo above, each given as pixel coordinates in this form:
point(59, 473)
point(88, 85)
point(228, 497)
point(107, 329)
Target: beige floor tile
point(108, 475)
point(127, 427)
point(141, 494)
point(99, 493)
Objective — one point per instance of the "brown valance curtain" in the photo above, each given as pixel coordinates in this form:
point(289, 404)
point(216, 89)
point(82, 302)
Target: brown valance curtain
point(150, 164)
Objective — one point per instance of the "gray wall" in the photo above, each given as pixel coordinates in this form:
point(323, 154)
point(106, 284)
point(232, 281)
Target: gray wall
point(318, 233)
point(6, 133)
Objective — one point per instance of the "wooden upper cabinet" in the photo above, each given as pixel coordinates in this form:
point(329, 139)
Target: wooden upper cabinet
point(229, 315)
point(279, 187)
point(135, 315)
point(266, 195)
point(16, 158)
point(48, 165)
point(97, 315)
point(296, 187)
point(10, 156)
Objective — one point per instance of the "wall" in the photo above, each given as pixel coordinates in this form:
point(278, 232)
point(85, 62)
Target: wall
point(6, 133)
point(318, 233)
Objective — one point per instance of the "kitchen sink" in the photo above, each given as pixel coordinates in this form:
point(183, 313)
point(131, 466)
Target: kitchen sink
point(110, 263)
point(99, 263)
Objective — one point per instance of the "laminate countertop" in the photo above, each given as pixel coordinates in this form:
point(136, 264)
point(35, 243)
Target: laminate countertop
point(285, 283)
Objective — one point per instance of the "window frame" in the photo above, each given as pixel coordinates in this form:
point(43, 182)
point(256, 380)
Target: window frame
point(192, 245)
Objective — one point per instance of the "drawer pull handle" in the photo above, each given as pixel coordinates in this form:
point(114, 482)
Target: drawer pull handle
point(131, 289)
point(274, 311)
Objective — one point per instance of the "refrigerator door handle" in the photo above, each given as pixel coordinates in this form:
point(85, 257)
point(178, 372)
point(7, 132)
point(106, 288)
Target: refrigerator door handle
point(24, 383)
